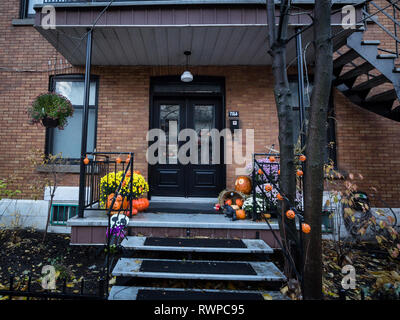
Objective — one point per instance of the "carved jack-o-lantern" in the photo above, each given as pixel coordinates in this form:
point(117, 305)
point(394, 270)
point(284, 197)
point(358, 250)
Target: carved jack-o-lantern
point(243, 184)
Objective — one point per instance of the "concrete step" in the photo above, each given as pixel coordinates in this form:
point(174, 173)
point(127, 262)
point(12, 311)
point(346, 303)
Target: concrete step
point(206, 245)
point(182, 205)
point(152, 293)
point(197, 270)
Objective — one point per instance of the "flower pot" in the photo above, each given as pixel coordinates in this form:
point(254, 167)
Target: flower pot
point(50, 122)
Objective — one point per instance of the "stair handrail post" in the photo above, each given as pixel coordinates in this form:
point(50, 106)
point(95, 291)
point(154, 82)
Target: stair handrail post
point(85, 119)
point(300, 86)
point(253, 177)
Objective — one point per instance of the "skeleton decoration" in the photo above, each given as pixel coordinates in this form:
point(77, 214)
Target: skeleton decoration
point(118, 224)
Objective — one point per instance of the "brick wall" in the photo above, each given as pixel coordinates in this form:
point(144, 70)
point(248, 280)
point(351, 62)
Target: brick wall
point(124, 94)
point(367, 144)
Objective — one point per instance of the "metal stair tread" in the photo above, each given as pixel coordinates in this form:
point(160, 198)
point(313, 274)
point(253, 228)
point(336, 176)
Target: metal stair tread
point(132, 293)
point(370, 42)
point(366, 85)
point(386, 56)
point(263, 271)
point(384, 96)
point(203, 245)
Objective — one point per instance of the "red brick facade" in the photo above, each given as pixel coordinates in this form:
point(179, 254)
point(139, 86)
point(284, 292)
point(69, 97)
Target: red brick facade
point(367, 143)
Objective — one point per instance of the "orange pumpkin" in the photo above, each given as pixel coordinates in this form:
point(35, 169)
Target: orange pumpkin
point(305, 228)
point(260, 172)
point(279, 171)
point(240, 214)
point(86, 160)
point(243, 184)
point(239, 202)
point(146, 203)
point(135, 204)
point(268, 187)
point(125, 204)
point(109, 200)
point(290, 214)
point(134, 212)
point(228, 202)
point(141, 205)
point(118, 203)
point(302, 158)
point(272, 159)
point(118, 160)
point(299, 173)
point(279, 197)
point(128, 159)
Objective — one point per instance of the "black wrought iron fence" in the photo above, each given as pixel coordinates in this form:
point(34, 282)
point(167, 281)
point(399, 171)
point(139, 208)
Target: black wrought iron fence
point(99, 166)
point(265, 186)
point(25, 289)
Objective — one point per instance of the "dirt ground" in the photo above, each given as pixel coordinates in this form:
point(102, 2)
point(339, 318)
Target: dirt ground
point(22, 254)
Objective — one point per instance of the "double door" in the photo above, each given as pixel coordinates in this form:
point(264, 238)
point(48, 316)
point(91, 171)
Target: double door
point(188, 168)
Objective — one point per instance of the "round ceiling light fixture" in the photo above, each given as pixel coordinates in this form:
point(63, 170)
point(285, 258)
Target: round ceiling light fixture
point(187, 75)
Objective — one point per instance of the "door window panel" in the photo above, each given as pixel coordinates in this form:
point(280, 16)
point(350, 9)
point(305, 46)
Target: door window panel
point(169, 120)
point(203, 119)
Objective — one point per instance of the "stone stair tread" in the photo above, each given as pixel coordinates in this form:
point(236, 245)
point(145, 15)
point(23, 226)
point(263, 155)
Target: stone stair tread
point(198, 270)
point(196, 245)
point(153, 293)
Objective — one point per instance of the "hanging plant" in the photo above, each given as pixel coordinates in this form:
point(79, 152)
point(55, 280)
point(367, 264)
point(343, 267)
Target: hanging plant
point(51, 109)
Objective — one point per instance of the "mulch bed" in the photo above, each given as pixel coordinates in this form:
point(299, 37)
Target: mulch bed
point(22, 254)
point(377, 274)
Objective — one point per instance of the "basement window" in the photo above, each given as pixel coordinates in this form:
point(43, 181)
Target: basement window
point(60, 213)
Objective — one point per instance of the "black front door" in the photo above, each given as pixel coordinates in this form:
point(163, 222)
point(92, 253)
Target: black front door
point(184, 176)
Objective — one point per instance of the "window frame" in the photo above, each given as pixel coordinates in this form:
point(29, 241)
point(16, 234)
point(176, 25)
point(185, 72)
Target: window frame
point(24, 7)
point(69, 207)
point(72, 78)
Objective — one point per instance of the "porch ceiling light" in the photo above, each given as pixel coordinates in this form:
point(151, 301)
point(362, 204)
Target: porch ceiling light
point(187, 75)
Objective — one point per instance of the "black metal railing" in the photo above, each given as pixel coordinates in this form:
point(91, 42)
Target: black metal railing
point(24, 288)
point(101, 165)
point(265, 172)
point(101, 171)
point(392, 12)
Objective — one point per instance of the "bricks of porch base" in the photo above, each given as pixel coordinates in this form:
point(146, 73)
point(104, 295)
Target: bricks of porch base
point(265, 235)
point(88, 235)
point(97, 235)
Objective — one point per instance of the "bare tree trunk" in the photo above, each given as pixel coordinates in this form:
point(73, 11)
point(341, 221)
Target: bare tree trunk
point(316, 142)
point(48, 217)
point(287, 178)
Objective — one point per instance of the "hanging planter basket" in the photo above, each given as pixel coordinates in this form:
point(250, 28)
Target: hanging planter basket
point(50, 122)
point(50, 109)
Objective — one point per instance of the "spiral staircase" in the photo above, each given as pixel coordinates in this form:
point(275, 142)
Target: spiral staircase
point(366, 72)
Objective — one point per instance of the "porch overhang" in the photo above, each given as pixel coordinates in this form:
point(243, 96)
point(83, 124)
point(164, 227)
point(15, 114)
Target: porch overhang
point(228, 34)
